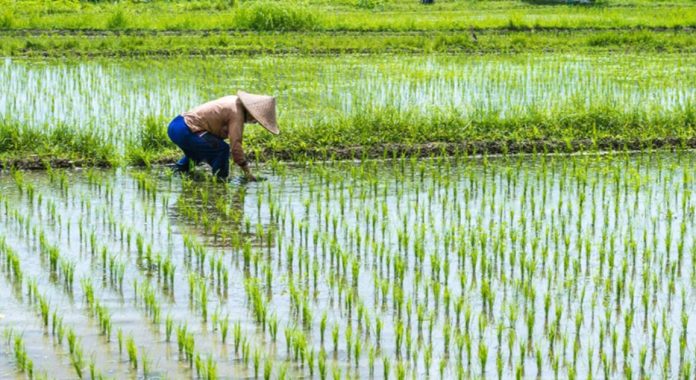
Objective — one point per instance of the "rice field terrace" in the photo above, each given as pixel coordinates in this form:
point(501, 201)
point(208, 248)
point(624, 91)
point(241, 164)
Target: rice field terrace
point(523, 266)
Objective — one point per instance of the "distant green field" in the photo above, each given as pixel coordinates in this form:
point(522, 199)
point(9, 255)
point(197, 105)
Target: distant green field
point(351, 15)
point(86, 28)
point(109, 44)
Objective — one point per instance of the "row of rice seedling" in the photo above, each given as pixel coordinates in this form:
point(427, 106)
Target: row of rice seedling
point(461, 266)
point(197, 294)
point(529, 318)
point(50, 321)
point(95, 307)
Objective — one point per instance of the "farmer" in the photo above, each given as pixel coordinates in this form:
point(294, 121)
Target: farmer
point(200, 132)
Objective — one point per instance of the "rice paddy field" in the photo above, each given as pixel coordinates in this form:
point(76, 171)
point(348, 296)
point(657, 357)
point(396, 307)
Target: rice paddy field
point(111, 110)
point(451, 267)
point(463, 190)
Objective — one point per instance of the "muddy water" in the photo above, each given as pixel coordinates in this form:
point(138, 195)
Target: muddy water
point(592, 236)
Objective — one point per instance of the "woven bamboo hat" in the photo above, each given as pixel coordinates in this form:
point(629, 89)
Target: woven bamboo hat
point(262, 108)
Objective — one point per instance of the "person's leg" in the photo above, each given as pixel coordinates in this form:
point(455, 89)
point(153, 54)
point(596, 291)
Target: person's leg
point(184, 163)
point(180, 134)
point(217, 154)
point(221, 162)
point(208, 148)
point(200, 147)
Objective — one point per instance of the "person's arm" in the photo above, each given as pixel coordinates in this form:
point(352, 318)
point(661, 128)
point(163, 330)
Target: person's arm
point(235, 130)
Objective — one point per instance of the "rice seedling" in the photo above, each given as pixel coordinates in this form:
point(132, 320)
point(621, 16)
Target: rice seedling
point(22, 361)
point(132, 351)
point(273, 327)
point(77, 361)
point(267, 369)
point(256, 362)
point(237, 336)
point(168, 328)
point(119, 336)
point(92, 370)
point(145, 360)
point(334, 336)
point(224, 324)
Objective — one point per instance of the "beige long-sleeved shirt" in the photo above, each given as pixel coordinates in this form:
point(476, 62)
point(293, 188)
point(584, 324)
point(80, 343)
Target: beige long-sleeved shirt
point(222, 117)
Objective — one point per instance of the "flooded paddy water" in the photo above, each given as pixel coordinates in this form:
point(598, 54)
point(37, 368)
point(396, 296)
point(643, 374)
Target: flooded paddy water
point(463, 267)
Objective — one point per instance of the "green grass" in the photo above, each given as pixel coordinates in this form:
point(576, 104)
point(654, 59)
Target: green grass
point(61, 143)
point(224, 27)
point(344, 15)
point(113, 45)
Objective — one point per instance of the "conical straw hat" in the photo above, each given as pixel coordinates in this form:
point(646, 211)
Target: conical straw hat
point(262, 108)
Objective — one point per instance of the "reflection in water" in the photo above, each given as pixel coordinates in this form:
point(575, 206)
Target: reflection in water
point(215, 211)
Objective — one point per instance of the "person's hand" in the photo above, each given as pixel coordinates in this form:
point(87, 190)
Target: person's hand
point(248, 175)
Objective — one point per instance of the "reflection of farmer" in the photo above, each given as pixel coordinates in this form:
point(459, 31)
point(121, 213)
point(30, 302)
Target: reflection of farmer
point(200, 132)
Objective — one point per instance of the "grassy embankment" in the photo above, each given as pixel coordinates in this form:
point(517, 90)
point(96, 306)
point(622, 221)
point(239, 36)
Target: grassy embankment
point(84, 28)
point(330, 27)
point(378, 133)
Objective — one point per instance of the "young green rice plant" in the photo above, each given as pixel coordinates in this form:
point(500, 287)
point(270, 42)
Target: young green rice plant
point(22, 360)
point(237, 335)
point(119, 337)
point(483, 356)
point(357, 347)
point(77, 361)
point(273, 327)
point(210, 369)
point(267, 369)
point(256, 360)
point(72, 341)
point(132, 351)
point(200, 367)
point(203, 299)
point(322, 364)
point(283, 371)
point(190, 348)
point(398, 335)
point(334, 336)
point(224, 324)
point(92, 369)
point(336, 371)
point(181, 336)
point(427, 358)
point(168, 327)
point(246, 349)
point(146, 363)
point(57, 328)
point(44, 308)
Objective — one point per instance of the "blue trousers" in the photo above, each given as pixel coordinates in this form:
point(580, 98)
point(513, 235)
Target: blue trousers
point(200, 147)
